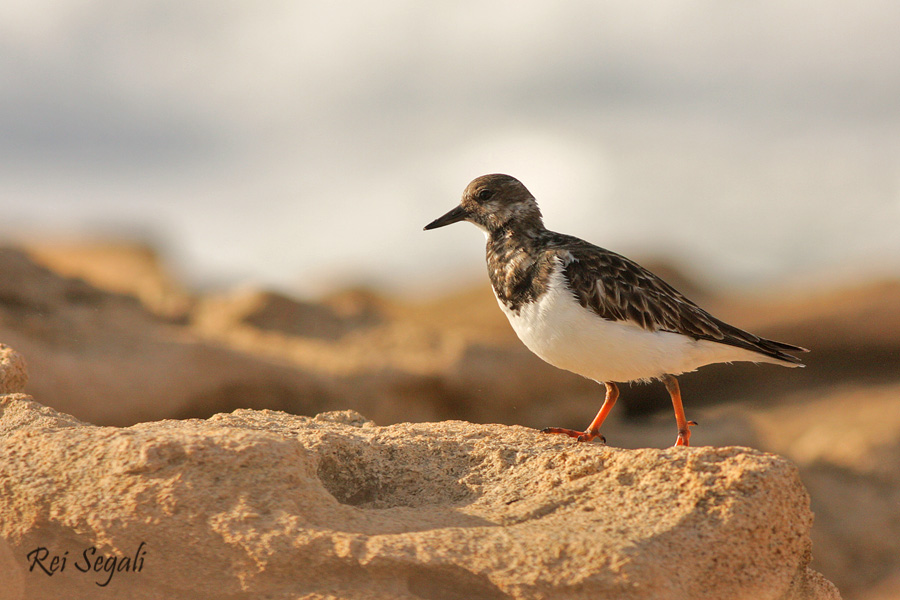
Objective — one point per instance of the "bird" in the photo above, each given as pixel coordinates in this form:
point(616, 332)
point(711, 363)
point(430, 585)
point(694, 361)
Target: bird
point(594, 312)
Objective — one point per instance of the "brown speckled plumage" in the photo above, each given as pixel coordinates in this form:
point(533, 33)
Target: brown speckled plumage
point(526, 261)
point(619, 289)
point(518, 268)
point(521, 255)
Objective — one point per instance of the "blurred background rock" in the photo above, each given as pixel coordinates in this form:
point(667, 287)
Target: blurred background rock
point(203, 202)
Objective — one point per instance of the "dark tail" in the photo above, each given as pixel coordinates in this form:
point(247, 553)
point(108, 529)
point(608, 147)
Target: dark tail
point(777, 350)
point(771, 348)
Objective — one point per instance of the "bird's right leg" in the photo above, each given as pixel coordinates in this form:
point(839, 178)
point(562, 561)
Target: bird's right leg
point(684, 426)
point(593, 430)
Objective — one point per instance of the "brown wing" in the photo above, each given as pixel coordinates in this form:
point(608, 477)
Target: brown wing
point(619, 289)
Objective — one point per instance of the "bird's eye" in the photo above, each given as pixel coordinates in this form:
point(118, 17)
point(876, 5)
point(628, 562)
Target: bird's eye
point(485, 194)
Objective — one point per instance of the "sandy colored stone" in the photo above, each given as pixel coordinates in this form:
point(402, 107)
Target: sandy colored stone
point(97, 353)
point(848, 455)
point(106, 358)
point(273, 311)
point(13, 372)
point(12, 573)
point(846, 444)
point(20, 412)
point(265, 504)
point(122, 266)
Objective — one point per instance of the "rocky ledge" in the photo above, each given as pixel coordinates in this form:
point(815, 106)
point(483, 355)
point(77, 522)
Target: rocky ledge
point(263, 504)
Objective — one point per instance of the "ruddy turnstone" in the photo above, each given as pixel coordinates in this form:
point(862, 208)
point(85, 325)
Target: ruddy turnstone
point(594, 312)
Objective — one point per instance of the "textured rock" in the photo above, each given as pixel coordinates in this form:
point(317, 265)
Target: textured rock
point(848, 458)
point(121, 266)
point(105, 358)
point(271, 311)
point(13, 372)
point(264, 504)
point(98, 353)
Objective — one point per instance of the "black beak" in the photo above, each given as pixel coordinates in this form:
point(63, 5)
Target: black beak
point(454, 216)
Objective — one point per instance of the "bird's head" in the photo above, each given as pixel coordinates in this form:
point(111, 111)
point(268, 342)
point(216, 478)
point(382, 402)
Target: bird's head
point(493, 202)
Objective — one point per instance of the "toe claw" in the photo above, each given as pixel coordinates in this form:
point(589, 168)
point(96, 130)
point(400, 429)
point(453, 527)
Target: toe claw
point(684, 437)
point(561, 430)
point(580, 436)
point(587, 436)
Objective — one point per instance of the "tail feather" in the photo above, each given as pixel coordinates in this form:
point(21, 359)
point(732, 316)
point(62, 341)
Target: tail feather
point(790, 347)
point(774, 350)
point(770, 348)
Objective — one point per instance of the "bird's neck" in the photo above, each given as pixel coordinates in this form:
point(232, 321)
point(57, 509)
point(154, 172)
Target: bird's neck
point(513, 260)
point(522, 231)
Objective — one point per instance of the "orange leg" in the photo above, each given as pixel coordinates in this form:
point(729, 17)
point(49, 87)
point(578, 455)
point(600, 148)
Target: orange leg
point(684, 426)
point(593, 430)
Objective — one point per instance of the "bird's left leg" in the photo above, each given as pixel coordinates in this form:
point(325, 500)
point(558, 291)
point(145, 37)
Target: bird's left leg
point(684, 426)
point(593, 430)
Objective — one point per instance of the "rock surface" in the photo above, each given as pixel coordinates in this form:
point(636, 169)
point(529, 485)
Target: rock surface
point(264, 504)
point(125, 343)
point(13, 372)
point(122, 266)
point(106, 358)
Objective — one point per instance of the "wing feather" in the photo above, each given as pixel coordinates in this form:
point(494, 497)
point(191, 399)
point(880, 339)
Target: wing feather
point(619, 289)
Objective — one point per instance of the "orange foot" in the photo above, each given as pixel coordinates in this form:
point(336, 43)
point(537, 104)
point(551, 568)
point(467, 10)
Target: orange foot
point(684, 435)
point(580, 436)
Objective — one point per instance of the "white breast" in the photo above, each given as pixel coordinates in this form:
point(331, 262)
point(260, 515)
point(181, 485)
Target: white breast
point(565, 334)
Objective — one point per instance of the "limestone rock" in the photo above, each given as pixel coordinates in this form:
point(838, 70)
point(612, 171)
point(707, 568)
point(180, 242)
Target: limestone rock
point(13, 372)
point(105, 358)
point(273, 311)
point(258, 504)
point(848, 456)
point(122, 266)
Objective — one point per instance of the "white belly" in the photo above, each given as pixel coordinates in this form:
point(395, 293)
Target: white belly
point(566, 335)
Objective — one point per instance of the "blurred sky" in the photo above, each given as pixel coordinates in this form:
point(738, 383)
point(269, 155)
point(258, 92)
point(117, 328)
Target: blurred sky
point(303, 145)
